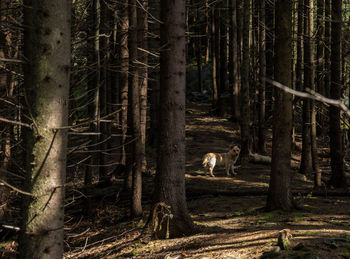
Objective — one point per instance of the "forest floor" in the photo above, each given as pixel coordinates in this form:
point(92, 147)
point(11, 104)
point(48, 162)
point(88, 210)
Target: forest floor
point(230, 210)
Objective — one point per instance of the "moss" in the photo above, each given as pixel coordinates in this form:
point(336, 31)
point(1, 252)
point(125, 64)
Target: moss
point(271, 214)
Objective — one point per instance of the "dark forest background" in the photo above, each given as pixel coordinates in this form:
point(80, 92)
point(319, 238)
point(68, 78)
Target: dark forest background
point(93, 96)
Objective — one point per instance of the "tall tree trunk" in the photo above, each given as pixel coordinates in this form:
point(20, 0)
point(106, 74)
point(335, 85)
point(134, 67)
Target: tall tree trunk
point(306, 156)
point(338, 178)
point(327, 49)
point(123, 74)
point(93, 87)
point(47, 48)
point(320, 47)
point(320, 89)
point(270, 34)
point(262, 75)
point(223, 48)
point(170, 177)
point(142, 20)
point(280, 196)
point(245, 100)
point(199, 52)
point(104, 85)
point(5, 92)
point(300, 36)
point(135, 126)
point(214, 54)
point(222, 62)
point(207, 36)
point(153, 134)
point(233, 61)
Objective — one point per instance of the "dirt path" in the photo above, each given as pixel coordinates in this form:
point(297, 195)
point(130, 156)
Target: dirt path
point(234, 226)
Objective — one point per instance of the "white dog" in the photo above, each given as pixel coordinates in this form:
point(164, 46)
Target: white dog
point(228, 159)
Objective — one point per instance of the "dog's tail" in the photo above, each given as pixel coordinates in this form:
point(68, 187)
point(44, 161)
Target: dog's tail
point(205, 161)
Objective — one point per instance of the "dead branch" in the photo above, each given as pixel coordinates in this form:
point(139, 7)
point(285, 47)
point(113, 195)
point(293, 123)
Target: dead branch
point(15, 188)
point(310, 95)
point(15, 122)
point(12, 60)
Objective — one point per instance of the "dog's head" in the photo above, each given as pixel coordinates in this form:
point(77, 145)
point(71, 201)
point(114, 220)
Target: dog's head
point(234, 150)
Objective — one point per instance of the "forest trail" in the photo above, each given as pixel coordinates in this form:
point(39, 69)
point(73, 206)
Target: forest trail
point(229, 211)
point(206, 133)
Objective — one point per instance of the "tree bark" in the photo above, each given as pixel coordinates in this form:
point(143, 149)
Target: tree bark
point(5, 92)
point(199, 52)
point(327, 52)
point(338, 178)
point(104, 103)
point(215, 55)
point(207, 37)
point(123, 74)
point(233, 61)
point(306, 156)
point(47, 49)
point(142, 20)
point(262, 75)
point(300, 36)
point(270, 34)
point(280, 196)
point(135, 126)
point(245, 100)
point(170, 176)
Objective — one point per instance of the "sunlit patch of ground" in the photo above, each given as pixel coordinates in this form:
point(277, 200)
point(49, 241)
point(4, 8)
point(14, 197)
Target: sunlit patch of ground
point(231, 215)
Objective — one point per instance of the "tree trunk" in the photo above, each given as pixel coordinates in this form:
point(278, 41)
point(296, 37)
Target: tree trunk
point(153, 133)
point(104, 103)
point(135, 126)
point(280, 196)
point(5, 129)
point(314, 145)
point(215, 55)
point(223, 49)
point(269, 23)
point(93, 86)
point(123, 74)
point(47, 48)
point(170, 176)
point(207, 36)
point(338, 178)
point(199, 53)
point(320, 49)
point(142, 39)
point(245, 100)
point(233, 61)
point(262, 75)
point(300, 36)
point(327, 52)
point(306, 156)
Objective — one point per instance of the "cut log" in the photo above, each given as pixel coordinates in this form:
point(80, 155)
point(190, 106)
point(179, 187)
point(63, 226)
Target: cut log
point(259, 159)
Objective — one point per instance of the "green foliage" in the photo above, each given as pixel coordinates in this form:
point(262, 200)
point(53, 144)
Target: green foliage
point(271, 214)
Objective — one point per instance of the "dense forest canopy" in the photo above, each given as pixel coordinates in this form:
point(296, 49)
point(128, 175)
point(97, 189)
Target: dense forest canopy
point(115, 103)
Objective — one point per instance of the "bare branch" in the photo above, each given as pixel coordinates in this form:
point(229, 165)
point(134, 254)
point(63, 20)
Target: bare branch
point(146, 11)
point(16, 189)
point(12, 60)
point(15, 122)
point(310, 95)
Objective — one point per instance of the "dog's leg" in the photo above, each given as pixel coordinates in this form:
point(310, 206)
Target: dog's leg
point(227, 167)
point(233, 170)
point(211, 168)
